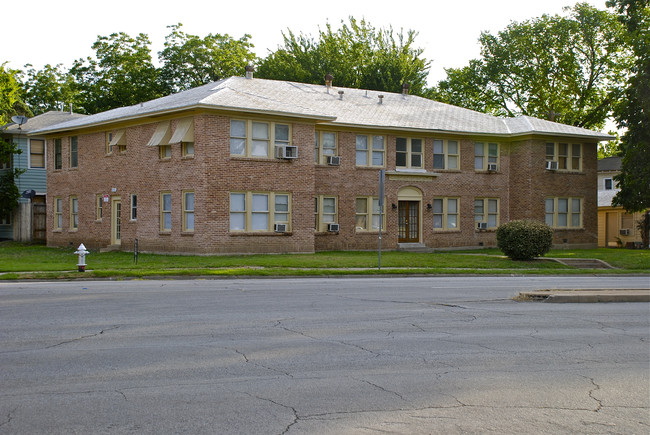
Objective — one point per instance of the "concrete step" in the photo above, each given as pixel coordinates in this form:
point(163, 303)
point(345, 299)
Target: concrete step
point(414, 247)
point(110, 248)
point(584, 263)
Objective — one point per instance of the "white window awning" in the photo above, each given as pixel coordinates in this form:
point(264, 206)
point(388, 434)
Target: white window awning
point(119, 138)
point(184, 131)
point(161, 136)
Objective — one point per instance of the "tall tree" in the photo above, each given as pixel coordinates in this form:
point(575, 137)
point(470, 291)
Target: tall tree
point(633, 113)
point(189, 61)
point(50, 89)
point(357, 55)
point(565, 69)
point(121, 74)
point(10, 104)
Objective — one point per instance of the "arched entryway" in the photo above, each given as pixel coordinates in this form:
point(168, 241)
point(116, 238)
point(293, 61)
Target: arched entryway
point(409, 209)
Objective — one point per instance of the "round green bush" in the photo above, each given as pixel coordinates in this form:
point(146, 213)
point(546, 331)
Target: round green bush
point(524, 239)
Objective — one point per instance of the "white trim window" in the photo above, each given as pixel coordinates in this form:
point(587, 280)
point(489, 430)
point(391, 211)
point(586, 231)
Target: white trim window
point(563, 212)
point(485, 153)
point(608, 184)
point(257, 138)
point(445, 213)
point(188, 211)
point(58, 214)
point(325, 146)
point(369, 214)
point(325, 211)
point(370, 150)
point(258, 211)
point(165, 211)
point(409, 153)
point(99, 210)
point(446, 154)
point(568, 156)
point(37, 153)
point(74, 213)
point(486, 210)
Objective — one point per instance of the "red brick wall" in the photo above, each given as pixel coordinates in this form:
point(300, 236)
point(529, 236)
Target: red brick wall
point(521, 184)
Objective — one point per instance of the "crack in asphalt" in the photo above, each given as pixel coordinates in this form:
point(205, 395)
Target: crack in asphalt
point(257, 364)
point(381, 388)
point(83, 337)
point(591, 394)
point(9, 417)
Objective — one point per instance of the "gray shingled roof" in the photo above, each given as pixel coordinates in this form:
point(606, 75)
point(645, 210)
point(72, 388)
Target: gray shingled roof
point(43, 121)
point(609, 164)
point(336, 106)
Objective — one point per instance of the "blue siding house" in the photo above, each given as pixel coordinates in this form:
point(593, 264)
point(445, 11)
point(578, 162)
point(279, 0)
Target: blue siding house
point(28, 221)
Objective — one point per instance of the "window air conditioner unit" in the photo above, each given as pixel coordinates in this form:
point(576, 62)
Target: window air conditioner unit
point(481, 226)
point(286, 152)
point(333, 228)
point(625, 232)
point(551, 165)
point(333, 160)
point(492, 167)
point(280, 228)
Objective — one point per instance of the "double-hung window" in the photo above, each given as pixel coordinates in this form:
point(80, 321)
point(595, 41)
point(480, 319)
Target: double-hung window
point(370, 150)
point(486, 210)
point(485, 154)
point(37, 153)
point(568, 156)
point(563, 212)
point(258, 211)
point(134, 207)
point(257, 138)
point(409, 153)
point(99, 207)
point(74, 213)
point(325, 146)
point(188, 211)
point(325, 212)
point(608, 183)
point(165, 211)
point(58, 214)
point(446, 154)
point(445, 213)
point(368, 214)
point(58, 154)
point(74, 150)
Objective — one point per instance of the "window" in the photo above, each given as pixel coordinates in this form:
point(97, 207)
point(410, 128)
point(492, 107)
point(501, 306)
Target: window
point(99, 201)
point(325, 212)
point(5, 219)
point(188, 211)
point(369, 215)
point(134, 207)
point(408, 153)
point(486, 210)
point(609, 184)
point(165, 211)
point(370, 150)
point(5, 161)
point(257, 139)
point(74, 213)
point(445, 154)
point(165, 151)
point(116, 139)
point(74, 148)
point(109, 139)
point(258, 211)
point(627, 221)
point(187, 149)
point(567, 156)
point(184, 134)
point(37, 153)
point(58, 158)
point(445, 213)
point(58, 214)
point(325, 143)
point(564, 212)
point(485, 153)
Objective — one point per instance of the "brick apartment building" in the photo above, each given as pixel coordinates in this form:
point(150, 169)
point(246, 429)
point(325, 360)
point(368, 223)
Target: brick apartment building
point(247, 165)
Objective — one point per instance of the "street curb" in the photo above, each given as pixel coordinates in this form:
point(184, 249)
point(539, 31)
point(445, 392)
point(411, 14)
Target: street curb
point(586, 295)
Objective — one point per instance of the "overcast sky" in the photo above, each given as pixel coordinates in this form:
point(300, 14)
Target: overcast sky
point(49, 31)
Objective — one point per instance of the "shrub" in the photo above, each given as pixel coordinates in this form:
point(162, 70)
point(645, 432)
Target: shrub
point(524, 239)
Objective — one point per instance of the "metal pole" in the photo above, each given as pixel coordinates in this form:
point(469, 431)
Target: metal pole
point(382, 174)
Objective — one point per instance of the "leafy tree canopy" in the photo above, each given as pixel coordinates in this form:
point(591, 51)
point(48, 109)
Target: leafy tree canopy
point(189, 61)
point(565, 69)
point(357, 55)
point(50, 89)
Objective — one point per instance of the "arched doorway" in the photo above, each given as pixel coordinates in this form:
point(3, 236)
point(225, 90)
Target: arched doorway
point(409, 205)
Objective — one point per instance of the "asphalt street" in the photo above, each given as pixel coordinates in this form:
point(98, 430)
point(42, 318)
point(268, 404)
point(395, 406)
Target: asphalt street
point(439, 355)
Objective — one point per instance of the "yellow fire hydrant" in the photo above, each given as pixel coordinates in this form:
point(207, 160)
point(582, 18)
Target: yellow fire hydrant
point(82, 252)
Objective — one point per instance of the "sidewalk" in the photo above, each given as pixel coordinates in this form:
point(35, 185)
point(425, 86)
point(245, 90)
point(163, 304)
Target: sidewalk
point(587, 295)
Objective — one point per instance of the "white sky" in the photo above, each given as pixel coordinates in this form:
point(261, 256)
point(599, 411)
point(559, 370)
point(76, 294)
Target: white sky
point(47, 31)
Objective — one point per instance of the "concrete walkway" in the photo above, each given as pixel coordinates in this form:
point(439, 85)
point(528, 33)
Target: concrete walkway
point(587, 295)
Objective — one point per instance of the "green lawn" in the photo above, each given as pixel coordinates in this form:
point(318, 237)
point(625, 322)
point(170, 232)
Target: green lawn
point(17, 261)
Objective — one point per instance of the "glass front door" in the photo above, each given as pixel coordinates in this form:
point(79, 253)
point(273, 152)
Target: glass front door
point(408, 222)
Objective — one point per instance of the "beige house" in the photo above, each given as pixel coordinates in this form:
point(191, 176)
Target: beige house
point(616, 227)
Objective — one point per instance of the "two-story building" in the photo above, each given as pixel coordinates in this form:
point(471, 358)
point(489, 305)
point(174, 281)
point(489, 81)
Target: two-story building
point(248, 165)
point(28, 221)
